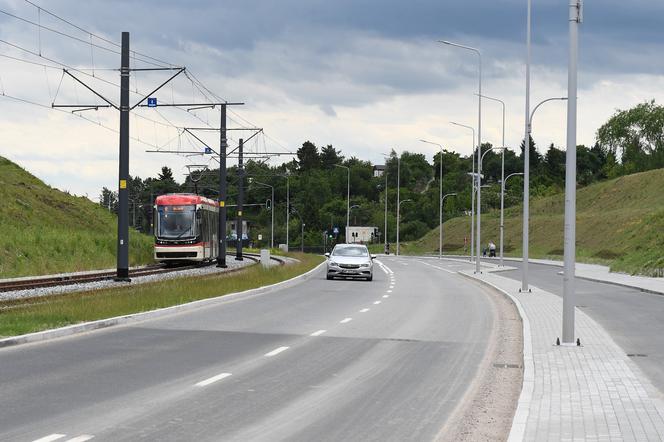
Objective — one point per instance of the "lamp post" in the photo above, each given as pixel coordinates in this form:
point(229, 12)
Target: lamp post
point(440, 200)
point(252, 181)
point(302, 246)
point(526, 185)
point(503, 183)
point(398, 196)
point(479, 138)
point(347, 198)
point(472, 198)
point(479, 207)
point(399, 220)
point(575, 18)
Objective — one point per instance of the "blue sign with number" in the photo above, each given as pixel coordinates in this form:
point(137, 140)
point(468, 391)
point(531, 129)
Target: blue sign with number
point(208, 150)
point(336, 230)
point(152, 102)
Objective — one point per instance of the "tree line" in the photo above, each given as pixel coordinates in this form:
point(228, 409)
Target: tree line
point(630, 141)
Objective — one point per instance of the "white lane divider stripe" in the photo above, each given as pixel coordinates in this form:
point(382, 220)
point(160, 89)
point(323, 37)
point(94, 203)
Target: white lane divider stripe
point(81, 438)
point(50, 437)
point(383, 269)
point(213, 379)
point(439, 268)
point(364, 310)
point(318, 333)
point(276, 351)
point(386, 296)
point(389, 291)
point(383, 266)
point(377, 302)
point(345, 320)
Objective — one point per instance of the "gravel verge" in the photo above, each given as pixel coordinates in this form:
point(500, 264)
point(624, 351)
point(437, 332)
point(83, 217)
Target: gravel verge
point(95, 285)
point(487, 410)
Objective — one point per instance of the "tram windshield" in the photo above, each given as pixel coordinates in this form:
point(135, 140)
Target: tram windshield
point(176, 222)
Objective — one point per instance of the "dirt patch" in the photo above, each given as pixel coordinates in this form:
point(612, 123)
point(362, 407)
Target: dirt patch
point(487, 410)
point(607, 254)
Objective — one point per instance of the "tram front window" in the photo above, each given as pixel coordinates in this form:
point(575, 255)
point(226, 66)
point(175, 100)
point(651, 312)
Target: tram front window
point(176, 221)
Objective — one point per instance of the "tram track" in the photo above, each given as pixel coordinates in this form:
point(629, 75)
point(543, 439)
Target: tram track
point(30, 283)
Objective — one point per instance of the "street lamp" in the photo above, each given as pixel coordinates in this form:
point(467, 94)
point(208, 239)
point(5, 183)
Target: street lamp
point(347, 198)
point(385, 232)
point(479, 197)
point(442, 202)
point(440, 198)
point(252, 181)
point(302, 246)
point(398, 219)
point(526, 187)
point(472, 197)
point(479, 134)
point(503, 183)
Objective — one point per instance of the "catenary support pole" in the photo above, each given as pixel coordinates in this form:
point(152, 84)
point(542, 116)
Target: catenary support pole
point(240, 202)
point(221, 232)
point(122, 273)
point(398, 196)
point(575, 15)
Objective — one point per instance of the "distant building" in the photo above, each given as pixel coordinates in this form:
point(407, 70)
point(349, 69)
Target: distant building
point(361, 234)
point(379, 171)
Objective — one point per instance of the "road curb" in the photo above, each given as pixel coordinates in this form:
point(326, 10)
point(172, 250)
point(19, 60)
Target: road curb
point(70, 330)
point(518, 431)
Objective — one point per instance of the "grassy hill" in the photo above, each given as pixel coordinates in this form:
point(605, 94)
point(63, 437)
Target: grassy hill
point(44, 230)
point(620, 222)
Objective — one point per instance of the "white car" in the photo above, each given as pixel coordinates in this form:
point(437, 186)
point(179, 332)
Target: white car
point(350, 261)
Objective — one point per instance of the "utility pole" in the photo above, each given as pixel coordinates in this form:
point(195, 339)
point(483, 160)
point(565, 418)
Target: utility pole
point(526, 162)
point(221, 232)
point(575, 18)
point(240, 201)
point(122, 272)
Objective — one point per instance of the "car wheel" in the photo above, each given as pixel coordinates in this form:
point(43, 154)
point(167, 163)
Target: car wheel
point(329, 277)
point(370, 278)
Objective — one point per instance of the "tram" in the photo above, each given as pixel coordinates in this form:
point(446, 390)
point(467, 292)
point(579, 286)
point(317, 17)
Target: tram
point(185, 228)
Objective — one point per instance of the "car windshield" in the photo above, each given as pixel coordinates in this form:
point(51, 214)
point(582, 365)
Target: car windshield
point(350, 251)
point(176, 221)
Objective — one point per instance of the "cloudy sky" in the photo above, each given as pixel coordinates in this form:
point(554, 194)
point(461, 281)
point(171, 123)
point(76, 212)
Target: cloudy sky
point(365, 76)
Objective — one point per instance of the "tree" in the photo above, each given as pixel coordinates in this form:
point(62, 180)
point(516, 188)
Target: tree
point(308, 157)
point(329, 156)
point(636, 136)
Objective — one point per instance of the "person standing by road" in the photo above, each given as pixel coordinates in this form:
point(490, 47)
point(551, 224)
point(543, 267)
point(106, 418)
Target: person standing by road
point(492, 249)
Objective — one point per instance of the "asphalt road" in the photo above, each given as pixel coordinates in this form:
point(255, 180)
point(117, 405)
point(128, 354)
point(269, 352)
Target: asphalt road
point(324, 360)
point(634, 319)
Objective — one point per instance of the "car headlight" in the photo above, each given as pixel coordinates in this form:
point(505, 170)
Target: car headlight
point(365, 265)
point(332, 263)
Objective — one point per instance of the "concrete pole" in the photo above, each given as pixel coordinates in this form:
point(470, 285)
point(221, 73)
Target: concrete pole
point(240, 202)
point(272, 221)
point(385, 232)
point(221, 230)
point(575, 16)
point(479, 166)
point(287, 209)
point(526, 160)
point(440, 211)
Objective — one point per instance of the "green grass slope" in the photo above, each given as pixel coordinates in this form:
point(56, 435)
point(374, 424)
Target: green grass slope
point(620, 222)
point(44, 230)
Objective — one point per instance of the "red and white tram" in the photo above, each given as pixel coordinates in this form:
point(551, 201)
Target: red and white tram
point(185, 228)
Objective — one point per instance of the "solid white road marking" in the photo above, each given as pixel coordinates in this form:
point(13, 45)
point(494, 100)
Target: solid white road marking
point(276, 351)
point(81, 438)
point(383, 269)
point(386, 296)
point(213, 379)
point(389, 291)
point(364, 310)
point(345, 320)
point(377, 302)
point(50, 437)
point(318, 333)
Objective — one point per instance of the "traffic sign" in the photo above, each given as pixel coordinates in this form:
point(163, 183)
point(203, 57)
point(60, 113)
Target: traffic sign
point(208, 150)
point(152, 102)
point(335, 230)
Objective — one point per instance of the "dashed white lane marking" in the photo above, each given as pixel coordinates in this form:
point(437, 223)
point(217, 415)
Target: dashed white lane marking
point(318, 333)
point(383, 269)
point(439, 268)
point(345, 320)
point(213, 379)
point(377, 302)
point(276, 351)
point(391, 287)
point(386, 296)
point(50, 437)
point(81, 438)
point(389, 291)
point(364, 310)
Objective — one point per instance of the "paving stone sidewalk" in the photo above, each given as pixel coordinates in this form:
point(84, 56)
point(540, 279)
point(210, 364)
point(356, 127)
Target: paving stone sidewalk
point(593, 392)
